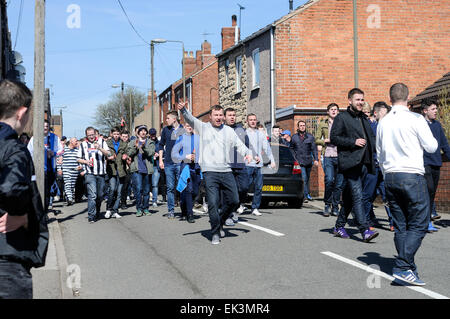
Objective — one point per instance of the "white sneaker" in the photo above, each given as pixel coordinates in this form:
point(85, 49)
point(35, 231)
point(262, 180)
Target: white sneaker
point(256, 212)
point(241, 209)
point(205, 207)
point(154, 205)
point(56, 198)
point(116, 215)
point(108, 214)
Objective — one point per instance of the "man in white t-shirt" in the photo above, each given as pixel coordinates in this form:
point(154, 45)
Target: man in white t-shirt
point(402, 136)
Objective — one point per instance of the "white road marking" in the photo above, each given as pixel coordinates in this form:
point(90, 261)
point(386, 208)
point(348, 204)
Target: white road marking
point(272, 232)
point(384, 275)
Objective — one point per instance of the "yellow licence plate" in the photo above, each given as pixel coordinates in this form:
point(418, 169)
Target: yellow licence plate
point(273, 188)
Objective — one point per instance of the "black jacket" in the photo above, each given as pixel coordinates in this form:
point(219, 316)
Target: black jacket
point(347, 127)
point(17, 198)
point(305, 151)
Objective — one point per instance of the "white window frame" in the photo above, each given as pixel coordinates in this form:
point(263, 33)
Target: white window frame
point(255, 69)
point(238, 66)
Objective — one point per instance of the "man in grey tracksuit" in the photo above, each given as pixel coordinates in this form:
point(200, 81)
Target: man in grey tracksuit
point(216, 142)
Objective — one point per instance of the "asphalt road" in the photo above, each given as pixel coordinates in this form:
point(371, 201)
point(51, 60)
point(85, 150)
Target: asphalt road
point(293, 256)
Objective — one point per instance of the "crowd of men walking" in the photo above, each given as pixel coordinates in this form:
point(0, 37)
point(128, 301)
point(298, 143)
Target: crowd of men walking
point(386, 150)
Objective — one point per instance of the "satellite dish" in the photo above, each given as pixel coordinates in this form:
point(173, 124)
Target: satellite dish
point(16, 58)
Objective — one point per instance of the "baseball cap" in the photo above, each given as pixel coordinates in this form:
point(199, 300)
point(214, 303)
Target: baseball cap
point(286, 132)
point(152, 131)
point(142, 127)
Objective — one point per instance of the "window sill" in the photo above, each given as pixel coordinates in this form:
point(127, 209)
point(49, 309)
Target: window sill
point(256, 87)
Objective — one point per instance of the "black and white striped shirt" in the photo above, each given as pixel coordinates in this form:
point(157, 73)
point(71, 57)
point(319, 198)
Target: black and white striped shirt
point(70, 163)
point(88, 152)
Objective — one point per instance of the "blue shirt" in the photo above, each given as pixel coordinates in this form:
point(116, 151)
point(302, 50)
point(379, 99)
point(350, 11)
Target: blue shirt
point(142, 167)
point(168, 138)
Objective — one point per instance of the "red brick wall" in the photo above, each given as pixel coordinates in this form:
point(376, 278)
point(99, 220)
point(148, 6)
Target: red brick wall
point(314, 53)
point(442, 198)
point(314, 50)
point(205, 89)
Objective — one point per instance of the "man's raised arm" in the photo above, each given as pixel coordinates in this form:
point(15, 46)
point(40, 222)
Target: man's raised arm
point(190, 119)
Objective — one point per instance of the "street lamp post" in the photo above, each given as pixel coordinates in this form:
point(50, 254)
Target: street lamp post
point(152, 44)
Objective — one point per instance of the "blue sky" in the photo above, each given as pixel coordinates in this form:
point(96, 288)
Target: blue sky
point(82, 63)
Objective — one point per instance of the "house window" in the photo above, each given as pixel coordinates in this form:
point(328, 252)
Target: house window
point(238, 74)
point(227, 67)
point(255, 77)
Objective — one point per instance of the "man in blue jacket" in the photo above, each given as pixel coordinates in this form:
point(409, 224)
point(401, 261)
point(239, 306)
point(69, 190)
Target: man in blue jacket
point(186, 152)
point(169, 136)
point(305, 150)
point(433, 161)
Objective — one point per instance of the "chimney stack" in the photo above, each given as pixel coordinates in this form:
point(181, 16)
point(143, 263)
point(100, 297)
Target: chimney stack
point(230, 34)
point(291, 5)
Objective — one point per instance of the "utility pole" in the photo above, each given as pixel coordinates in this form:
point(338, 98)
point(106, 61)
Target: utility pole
point(152, 111)
point(39, 95)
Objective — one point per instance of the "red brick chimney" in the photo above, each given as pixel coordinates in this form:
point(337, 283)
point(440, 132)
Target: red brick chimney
point(229, 34)
point(189, 62)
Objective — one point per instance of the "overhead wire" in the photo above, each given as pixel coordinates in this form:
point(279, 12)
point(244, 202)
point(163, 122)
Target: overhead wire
point(131, 24)
point(18, 23)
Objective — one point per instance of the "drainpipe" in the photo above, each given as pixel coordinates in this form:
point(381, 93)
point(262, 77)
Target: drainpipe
point(355, 44)
point(272, 79)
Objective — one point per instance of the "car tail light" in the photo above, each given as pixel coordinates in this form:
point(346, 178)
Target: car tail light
point(297, 169)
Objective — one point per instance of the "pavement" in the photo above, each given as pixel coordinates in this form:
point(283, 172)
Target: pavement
point(153, 257)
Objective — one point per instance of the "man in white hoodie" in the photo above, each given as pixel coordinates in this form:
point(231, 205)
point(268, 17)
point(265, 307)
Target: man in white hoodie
point(402, 136)
point(258, 144)
point(216, 144)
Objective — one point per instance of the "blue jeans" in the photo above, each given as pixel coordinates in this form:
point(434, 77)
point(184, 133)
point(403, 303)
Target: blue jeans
point(333, 182)
point(155, 181)
point(189, 193)
point(172, 172)
point(409, 202)
point(255, 176)
point(215, 182)
point(353, 198)
point(141, 189)
point(306, 172)
point(115, 192)
point(95, 185)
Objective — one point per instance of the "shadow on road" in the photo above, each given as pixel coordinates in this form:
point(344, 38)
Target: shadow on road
point(207, 233)
point(385, 264)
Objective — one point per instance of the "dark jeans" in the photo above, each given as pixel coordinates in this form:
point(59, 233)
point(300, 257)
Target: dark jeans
point(409, 203)
point(201, 193)
point(255, 176)
point(189, 193)
point(48, 183)
point(141, 190)
point(115, 192)
point(214, 183)
point(333, 182)
point(353, 198)
point(15, 281)
point(95, 186)
point(306, 172)
point(125, 189)
point(242, 182)
point(432, 175)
